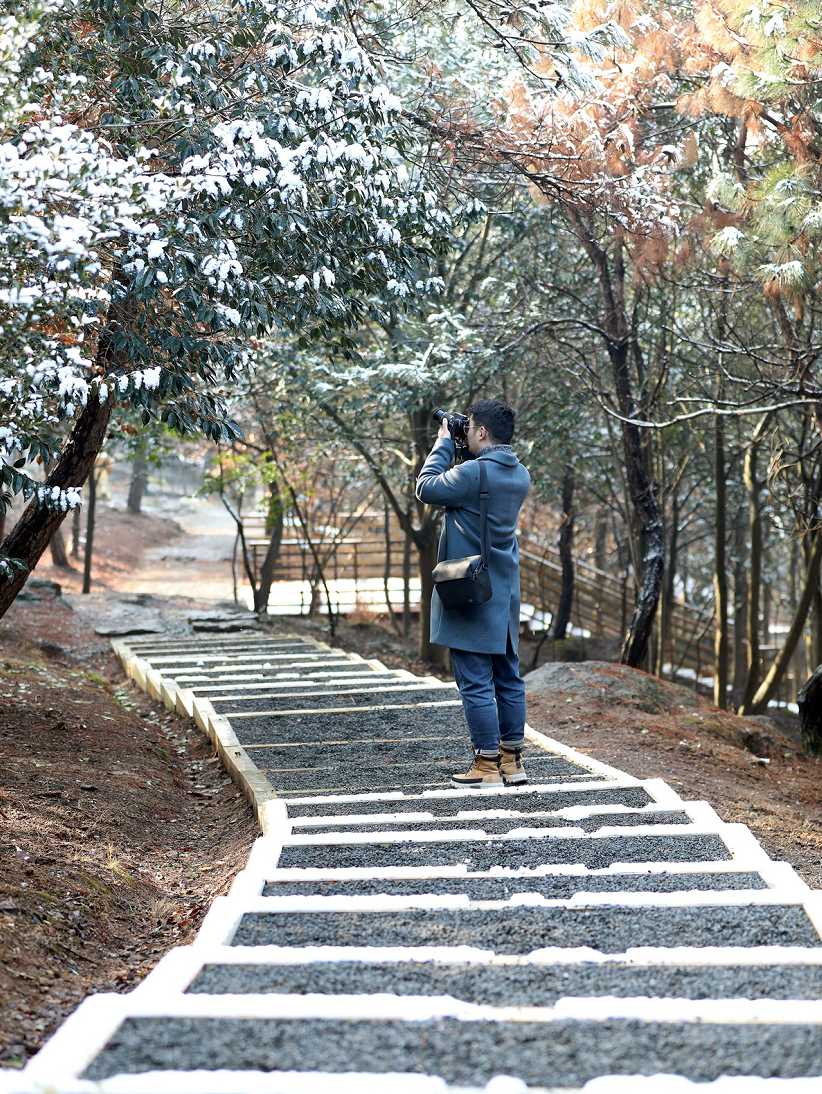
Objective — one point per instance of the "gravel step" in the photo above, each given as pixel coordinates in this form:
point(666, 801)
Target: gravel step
point(213, 654)
point(383, 751)
point(185, 646)
point(273, 660)
point(206, 675)
point(515, 985)
point(502, 826)
point(564, 1053)
point(332, 775)
point(520, 930)
point(411, 721)
point(338, 697)
point(501, 888)
point(276, 660)
point(254, 677)
point(523, 802)
point(593, 852)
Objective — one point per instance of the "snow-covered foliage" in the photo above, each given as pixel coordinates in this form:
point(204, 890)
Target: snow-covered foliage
point(760, 66)
point(174, 186)
point(62, 193)
point(440, 352)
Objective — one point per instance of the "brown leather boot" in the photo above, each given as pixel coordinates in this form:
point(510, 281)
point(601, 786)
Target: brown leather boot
point(510, 765)
point(484, 771)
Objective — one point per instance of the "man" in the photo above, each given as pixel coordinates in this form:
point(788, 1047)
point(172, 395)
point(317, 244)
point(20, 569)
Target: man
point(483, 639)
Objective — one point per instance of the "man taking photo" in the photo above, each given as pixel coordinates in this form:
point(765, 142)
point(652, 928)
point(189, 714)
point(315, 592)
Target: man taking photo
point(483, 638)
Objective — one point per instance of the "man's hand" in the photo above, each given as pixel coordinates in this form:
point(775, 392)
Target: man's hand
point(444, 429)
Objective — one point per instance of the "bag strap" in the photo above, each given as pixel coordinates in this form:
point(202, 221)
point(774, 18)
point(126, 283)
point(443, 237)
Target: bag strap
point(485, 547)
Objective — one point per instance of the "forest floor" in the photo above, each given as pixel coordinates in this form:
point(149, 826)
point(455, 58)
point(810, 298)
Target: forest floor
point(118, 825)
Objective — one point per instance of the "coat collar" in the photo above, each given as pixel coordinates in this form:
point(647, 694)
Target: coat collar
point(503, 454)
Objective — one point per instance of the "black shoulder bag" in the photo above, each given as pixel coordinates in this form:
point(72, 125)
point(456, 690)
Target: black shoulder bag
point(465, 582)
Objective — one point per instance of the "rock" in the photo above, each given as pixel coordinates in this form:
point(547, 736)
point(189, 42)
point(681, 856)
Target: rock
point(43, 585)
point(122, 629)
point(612, 684)
point(225, 616)
point(810, 713)
point(760, 744)
point(8, 905)
point(218, 626)
point(51, 649)
point(764, 723)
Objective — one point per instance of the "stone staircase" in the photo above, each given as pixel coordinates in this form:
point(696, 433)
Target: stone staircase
point(392, 936)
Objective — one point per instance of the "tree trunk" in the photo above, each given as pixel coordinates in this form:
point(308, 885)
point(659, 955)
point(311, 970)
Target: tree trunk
point(90, 518)
point(653, 558)
point(601, 563)
point(813, 634)
point(720, 570)
point(766, 614)
point(33, 531)
point(386, 572)
point(234, 583)
point(276, 519)
point(740, 611)
point(566, 544)
point(58, 550)
point(792, 677)
point(809, 701)
point(766, 691)
point(138, 482)
point(755, 569)
point(814, 646)
point(647, 520)
point(813, 640)
point(32, 534)
point(406, 587)
point(666, 652)
point(620, 342)
point(76, 529)
point(427, 552)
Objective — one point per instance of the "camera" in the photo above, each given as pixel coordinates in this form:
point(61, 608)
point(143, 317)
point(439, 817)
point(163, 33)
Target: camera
point(457, 425)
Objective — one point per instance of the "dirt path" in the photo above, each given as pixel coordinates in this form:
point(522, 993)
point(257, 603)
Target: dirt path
point(177, 547)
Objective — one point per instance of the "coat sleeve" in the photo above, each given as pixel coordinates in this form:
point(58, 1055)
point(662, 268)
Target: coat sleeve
point(437, 485)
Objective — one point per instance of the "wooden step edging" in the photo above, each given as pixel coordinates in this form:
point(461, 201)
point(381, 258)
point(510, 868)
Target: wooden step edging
point(249, 778)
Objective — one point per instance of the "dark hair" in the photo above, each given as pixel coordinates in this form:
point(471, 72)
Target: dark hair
point(497, 417)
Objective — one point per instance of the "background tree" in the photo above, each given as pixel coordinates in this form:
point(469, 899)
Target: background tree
point(273, 196)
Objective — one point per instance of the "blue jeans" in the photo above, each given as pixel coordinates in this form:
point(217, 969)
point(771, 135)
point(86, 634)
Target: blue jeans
point(493, 697)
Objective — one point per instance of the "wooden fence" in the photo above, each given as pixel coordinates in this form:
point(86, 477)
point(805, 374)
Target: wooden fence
point(602, 607)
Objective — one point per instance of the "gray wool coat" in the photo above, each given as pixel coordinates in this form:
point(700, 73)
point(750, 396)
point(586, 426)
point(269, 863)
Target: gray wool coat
point(486, 627)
